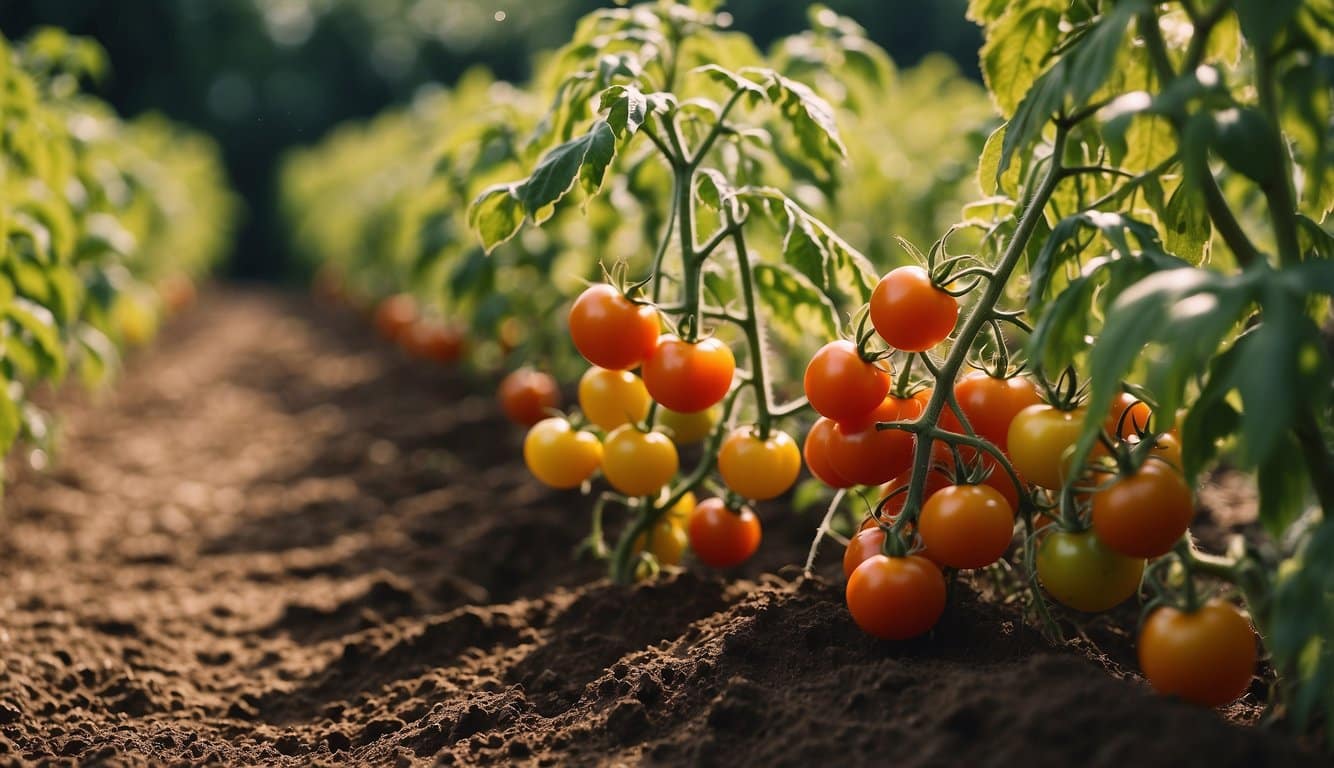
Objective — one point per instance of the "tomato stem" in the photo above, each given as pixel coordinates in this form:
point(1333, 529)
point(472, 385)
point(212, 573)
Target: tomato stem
point(754, 341)
point(823, 530)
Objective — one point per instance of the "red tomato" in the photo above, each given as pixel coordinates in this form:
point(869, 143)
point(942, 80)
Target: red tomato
point(721, 537)
point(816, 452)
point(841, 386)
point(1206, 657)
point(611, 331)
point(865, 455)
point(865, 544)
point(909, 312)
point(395, 315)
point(1144, 514)
point(1127, 416)
point(689, 377)
point(990, 405)
point(966, 526)
point(433, 340)
point(896, 598)
point(526, 395)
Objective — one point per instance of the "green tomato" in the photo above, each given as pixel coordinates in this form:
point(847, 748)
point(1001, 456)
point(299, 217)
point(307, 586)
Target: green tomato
point(1080, 572)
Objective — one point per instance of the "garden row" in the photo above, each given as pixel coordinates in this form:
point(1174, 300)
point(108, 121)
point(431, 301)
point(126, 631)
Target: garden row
point(105, 224)
point(1137, 296)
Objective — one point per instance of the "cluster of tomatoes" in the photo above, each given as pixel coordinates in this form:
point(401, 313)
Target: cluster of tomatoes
point(1129, 507)
point(400, 320)
point(679, 387)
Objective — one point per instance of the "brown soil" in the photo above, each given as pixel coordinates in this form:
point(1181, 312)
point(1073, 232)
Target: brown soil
point(278, 542)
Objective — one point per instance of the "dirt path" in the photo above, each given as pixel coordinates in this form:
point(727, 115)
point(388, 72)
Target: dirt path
point(278, 542)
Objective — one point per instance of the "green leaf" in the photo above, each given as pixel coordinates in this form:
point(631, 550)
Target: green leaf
point(10, 419)
point(98, 358)
point(584, 158)
point(1187, 226)
point(810, 245)
point(1261, 20)
point(496, 215)
point(626, 109)
point(1282, 484)
point(733, 81)
point(1172, 322)
point(1076, 76)
point(811, 118)
point(40, 325)
point(1116, 229)
point(1015, 52)
point(1247, 141)
point(715, 191)
point(794, 299)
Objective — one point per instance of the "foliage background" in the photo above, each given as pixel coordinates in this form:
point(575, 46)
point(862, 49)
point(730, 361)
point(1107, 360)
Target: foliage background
point(265, 75)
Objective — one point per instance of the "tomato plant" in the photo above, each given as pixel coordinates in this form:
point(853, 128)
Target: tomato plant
point(1151, 240)
point(105, 226)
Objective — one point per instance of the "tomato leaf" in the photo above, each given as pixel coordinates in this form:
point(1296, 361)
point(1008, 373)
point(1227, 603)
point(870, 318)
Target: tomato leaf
point(1282, 485)
point(794, 299)
point(1187, 228)
point(584, 158)
point(1016, 50)
point(496, 215)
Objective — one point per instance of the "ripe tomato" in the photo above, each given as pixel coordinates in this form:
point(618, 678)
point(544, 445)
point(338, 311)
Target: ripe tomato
point(1144, 514)
point(611, 331)
point(689, 377)
point(433, 340)
point(526, 395)
point(865, 544)
point(560, 456)
point(934, 482)
point(990, 405)
point(895, 598)
point(666, 541)
point(1206, 657)
point(679, 513)
point(612, 398)
point(1127, 416)
point(759, 469)
point(865, 455)
point(841, 386)
point(816, 452)
point(1038, 438)
point(909, 312)
point(1079, 571)
point(966, 526)
point(394, 315)
point(638, 463)
point(1166, 447)
point(687, 428)
point(721, 537)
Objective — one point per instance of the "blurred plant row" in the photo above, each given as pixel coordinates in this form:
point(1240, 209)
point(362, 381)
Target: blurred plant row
point(380, 207)
point(106, 225)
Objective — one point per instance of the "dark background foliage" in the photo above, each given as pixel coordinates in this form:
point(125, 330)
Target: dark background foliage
point(263, 75)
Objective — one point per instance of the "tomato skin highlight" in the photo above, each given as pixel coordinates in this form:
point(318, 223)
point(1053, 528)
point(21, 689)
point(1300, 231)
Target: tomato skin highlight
point(688, 377)
point(687, 428)
point(1080, 572)
point(815, 450)
point(1207, 657)
point(966, 526)
point(612, 398)
point(909, 312)
point(611, 331)
point(638, 463)
point(990, 405)
point(1144, 514)
point(865, 455)
point(841, 386)
point(560, 456)
point(896, 598)
point(526, 395)
point(1038, 437)
point(759, 469)
point(720, 537)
